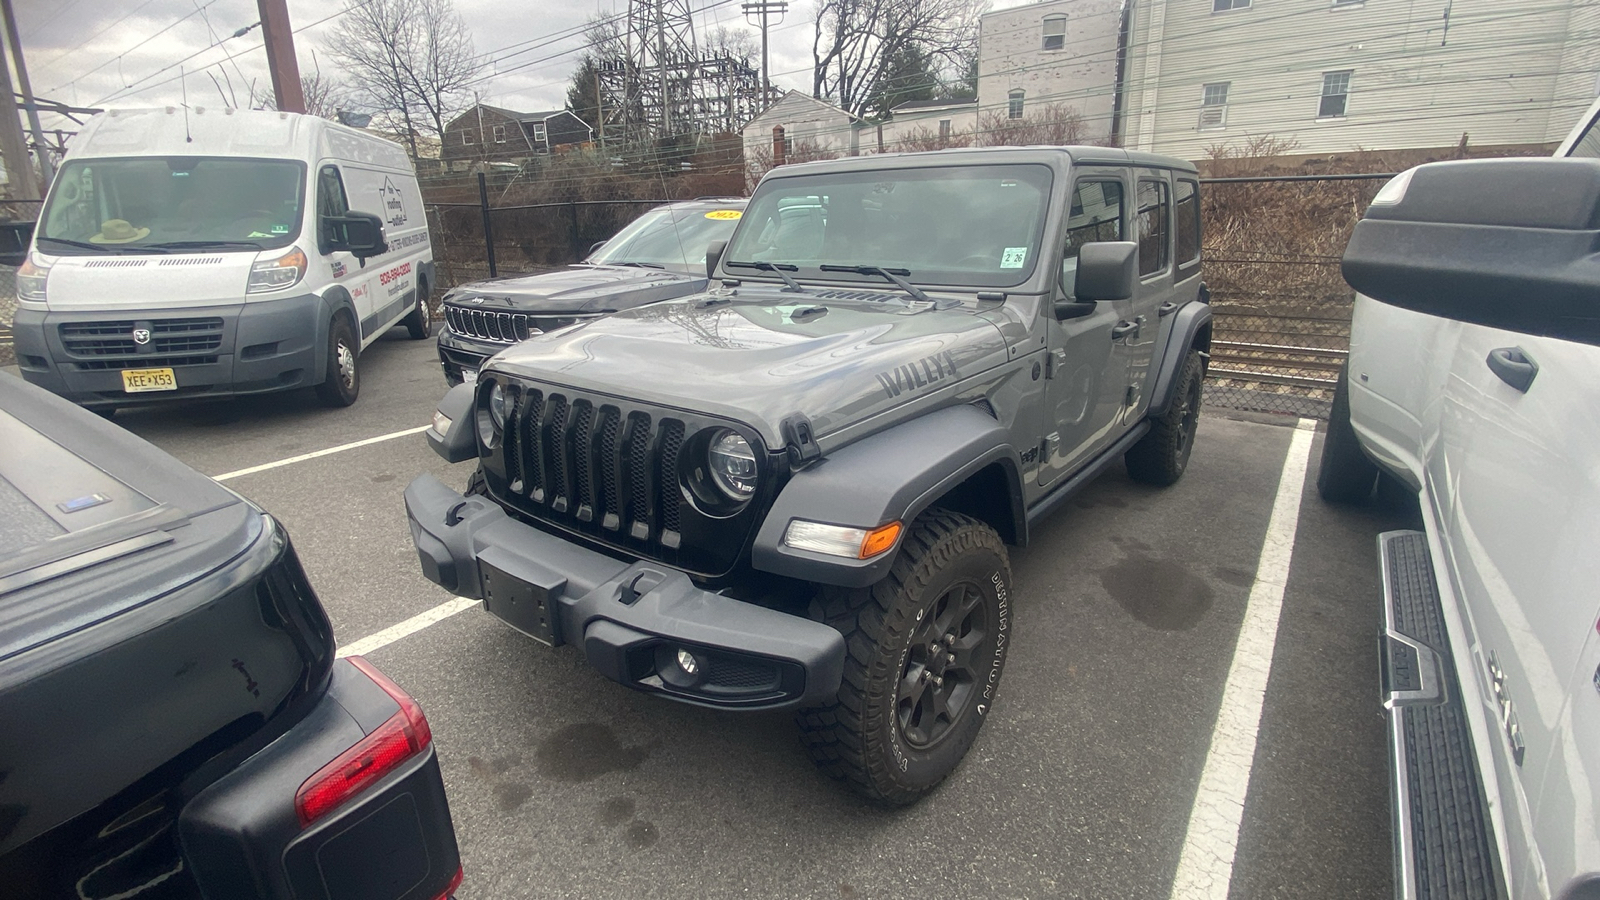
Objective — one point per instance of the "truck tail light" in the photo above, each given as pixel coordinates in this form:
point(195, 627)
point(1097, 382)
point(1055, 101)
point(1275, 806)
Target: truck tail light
point(403, 736)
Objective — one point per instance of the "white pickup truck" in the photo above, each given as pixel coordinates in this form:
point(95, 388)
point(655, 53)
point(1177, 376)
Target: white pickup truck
point(1474, 380)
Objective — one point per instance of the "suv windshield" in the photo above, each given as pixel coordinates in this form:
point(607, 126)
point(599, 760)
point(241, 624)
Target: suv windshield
point(976, 225)
point(673, 239)
point(156, 200)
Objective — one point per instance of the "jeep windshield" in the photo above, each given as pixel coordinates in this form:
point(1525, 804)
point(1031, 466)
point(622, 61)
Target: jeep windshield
point(671, 239)
point(973, 226)
point(166, 203)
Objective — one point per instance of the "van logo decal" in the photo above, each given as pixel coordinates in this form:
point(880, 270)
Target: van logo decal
point(393, 206)
point(912, 376)
point(141, 336)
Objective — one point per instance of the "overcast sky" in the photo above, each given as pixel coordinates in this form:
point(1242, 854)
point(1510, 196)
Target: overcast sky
point(117, 52)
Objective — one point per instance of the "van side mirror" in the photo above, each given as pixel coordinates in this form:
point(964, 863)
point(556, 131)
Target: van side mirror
point(1107, 270)
point(360, 234)
point(15, 238)
point(1507, 243)
point(714, 256)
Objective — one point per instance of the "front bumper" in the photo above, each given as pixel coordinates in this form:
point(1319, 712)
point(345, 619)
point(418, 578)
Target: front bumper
point(258, 347)
point(631, 619)
point(458, 351)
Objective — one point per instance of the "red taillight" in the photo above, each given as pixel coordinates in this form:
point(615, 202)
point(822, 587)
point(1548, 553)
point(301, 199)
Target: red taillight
point(403, 736)
point(454, 883)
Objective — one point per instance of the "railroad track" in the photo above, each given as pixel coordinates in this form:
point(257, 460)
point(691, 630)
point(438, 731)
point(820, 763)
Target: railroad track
point(1285, 364)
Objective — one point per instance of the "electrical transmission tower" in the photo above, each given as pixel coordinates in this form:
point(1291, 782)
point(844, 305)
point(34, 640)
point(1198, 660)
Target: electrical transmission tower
point(658, 83)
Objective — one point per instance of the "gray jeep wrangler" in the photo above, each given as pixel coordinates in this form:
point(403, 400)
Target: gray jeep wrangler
point(795, 490)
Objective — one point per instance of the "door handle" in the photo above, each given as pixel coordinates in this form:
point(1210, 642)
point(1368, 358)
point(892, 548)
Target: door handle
point(1166, 309)
point(1513, 366)
point(1124, 329)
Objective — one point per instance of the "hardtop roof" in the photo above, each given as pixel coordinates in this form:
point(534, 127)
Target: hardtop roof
point(1081, 154)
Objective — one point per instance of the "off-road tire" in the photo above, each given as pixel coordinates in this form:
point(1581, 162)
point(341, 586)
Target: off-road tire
point(947, 561)
point(1345, 475)
point(342, 384)
point(419, 322)
point(1160, 456)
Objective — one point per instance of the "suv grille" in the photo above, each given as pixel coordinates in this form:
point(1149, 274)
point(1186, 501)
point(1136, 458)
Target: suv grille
point(503, 327)
point(168, 337)
point(609, 470)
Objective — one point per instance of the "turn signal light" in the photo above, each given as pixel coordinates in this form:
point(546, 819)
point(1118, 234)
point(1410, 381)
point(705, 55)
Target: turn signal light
point(404, 735)
point(840, 540)
point(879, 540)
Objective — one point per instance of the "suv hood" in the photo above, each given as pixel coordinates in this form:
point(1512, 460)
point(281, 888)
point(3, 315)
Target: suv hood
point(580, 289)
point(759, 356)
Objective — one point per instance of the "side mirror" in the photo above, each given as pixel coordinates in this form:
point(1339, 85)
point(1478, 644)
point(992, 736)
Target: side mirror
point(1107, 270)
point(1507, 243)
point(15, 238)
point(595, 247)
point(361, 234)
point(714, 256)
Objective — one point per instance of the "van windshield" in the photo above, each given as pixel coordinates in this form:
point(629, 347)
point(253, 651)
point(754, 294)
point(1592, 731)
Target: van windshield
point(175, 201)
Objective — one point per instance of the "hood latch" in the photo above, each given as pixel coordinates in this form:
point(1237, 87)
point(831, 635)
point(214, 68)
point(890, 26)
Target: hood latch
point(798, 439)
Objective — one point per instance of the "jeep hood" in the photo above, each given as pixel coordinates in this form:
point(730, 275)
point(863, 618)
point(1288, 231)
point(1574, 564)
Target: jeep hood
point(762, 356)
point(580, 289)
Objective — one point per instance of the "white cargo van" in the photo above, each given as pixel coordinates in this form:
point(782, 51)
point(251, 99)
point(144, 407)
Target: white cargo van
point(220, 253)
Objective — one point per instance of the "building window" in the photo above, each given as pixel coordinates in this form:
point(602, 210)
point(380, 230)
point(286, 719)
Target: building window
point(1214, 106)
point(469, 136)
point(1055, 32)
point(1225, 5)
point(1154, 212)
point(1014, 103)
point(944, 129)
point(1335, 94)
point(499, 134)
point(538, 131)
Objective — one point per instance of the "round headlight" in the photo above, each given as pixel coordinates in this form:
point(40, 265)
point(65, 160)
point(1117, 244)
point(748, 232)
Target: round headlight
point(499, 405)
point(733, 465)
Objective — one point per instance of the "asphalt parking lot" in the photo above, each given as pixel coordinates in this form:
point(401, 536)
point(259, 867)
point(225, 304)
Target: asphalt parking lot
point(1128, 609)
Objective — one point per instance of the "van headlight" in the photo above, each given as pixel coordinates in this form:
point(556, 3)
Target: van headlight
point(733, 465)
point(277, 274)
point(30, 281)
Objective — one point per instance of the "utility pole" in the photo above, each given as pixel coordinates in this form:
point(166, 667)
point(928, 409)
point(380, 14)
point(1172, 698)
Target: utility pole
point(765, 8)
point(600, 108)
point(19, 171)
point(39, 145)
point(281, 62)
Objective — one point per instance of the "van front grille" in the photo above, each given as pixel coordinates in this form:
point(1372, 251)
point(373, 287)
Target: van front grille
point(117, 338)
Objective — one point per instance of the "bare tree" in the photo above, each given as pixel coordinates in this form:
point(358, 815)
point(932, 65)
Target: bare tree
point(1052, 125)
point(857, 44)
point(412, 61)
point(604, 44)
point(324, 96)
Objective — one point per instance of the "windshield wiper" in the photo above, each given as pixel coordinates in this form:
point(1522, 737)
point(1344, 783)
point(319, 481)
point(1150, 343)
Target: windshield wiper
point(636, 265)
point(85, 245)
point(196, 245)
point(781, 270)
point(891, 274)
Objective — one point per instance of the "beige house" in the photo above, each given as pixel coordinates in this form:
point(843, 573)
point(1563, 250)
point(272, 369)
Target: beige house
point(921, 125)
point(1343, 75)
point(810, 126)
point(1052, 56)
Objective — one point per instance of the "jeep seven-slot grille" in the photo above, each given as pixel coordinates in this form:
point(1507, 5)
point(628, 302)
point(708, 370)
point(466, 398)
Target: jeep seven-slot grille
point(168, 337)
point(488, 324)
point(594, 466)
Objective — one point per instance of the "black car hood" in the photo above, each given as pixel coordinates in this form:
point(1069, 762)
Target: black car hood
point(578, 289)
point(759, 355)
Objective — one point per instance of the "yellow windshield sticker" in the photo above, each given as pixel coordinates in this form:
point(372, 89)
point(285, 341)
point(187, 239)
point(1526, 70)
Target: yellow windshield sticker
point(724, 214)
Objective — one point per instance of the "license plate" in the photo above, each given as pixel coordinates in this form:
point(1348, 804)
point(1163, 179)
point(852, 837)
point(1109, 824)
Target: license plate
point(137, 381)
point(469, 376)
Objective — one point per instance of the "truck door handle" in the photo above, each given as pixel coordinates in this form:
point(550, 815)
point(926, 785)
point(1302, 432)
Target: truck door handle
point(1166, 309)
point(1124, 329)
point(1512, 365)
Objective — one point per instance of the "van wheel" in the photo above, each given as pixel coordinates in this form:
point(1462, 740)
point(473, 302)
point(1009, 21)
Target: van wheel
point(1161, 455)
point(420, 320)
point(343, 382)
point(1345, 475)
point(925, 648)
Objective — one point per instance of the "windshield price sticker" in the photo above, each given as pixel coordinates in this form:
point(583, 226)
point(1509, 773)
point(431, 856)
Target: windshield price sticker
point(724, 214)
point(1014, 257)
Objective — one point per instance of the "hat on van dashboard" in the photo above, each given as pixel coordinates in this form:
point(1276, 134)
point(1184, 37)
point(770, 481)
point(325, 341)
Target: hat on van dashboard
point(118, 231)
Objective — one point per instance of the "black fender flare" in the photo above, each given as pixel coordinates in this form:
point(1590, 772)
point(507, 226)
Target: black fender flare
point(1191, 327)
point(459, 442)
point(892, 475)
point(335, 300)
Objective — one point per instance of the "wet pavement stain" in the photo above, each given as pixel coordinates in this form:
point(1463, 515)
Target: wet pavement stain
point(1235, 577)
point(509, 796)
point(642, 835)
point(584, 752)
point(1111, 500)
point(616, 810)
point(1157, 592)
point(380, 479)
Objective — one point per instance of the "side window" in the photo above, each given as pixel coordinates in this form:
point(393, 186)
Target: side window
point(1154, 214)
point(1186, 216)
point(1588, 146)
point(1096, 215)
point(330, 201)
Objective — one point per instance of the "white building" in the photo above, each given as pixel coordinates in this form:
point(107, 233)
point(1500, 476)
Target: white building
point(1055, 55)
point(1344, 75)
point(921, 122)
point(811, 127)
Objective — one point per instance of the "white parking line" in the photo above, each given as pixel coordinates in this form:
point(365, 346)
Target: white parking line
point(1205, 868)
point(316, 453)
point(410, 626)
